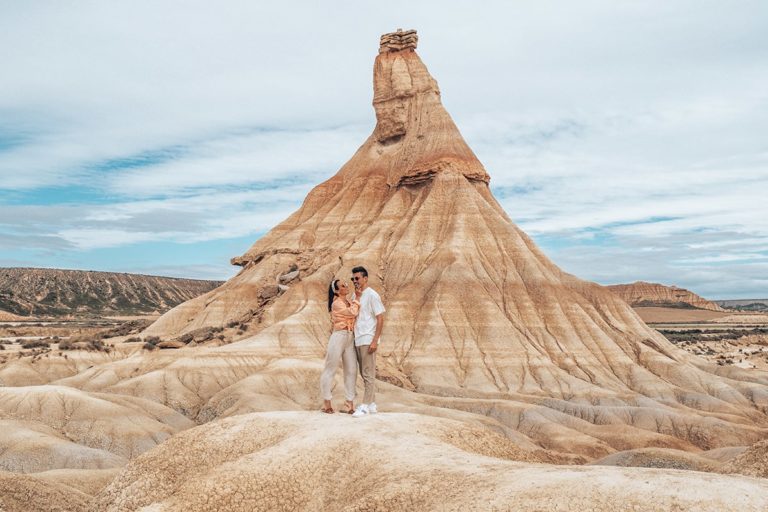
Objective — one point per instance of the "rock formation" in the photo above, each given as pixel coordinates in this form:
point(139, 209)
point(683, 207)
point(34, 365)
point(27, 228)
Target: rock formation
point(653, 294)
point(52, 292)
point(475, 309)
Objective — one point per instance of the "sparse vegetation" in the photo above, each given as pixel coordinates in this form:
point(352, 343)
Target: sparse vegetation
point(35, 343)
point(128, 328)
point(690, 335)
point(90, 343)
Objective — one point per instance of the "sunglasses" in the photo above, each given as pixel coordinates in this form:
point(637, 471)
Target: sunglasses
point(356, 278)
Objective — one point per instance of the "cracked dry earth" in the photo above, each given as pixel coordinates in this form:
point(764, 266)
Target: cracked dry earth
point(391, 461)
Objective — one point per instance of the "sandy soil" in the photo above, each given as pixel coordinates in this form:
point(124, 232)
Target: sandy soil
point(652, 315)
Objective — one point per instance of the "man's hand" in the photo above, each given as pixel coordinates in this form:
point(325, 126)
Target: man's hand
point(372, 347)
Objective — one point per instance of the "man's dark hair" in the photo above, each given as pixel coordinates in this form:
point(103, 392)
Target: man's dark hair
point(360, 270)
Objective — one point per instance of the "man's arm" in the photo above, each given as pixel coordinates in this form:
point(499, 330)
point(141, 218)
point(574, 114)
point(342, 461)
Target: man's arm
point(379, 326)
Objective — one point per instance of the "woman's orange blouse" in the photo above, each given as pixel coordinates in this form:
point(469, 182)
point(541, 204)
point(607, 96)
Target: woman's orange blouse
point(343, 316)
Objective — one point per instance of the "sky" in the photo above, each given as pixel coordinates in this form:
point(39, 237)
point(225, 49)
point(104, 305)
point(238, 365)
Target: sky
point(629, 139)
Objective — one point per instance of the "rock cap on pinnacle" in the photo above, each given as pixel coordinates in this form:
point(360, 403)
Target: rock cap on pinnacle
point(398, 41)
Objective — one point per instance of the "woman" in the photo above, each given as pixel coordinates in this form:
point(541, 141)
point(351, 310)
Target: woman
point(341, 346)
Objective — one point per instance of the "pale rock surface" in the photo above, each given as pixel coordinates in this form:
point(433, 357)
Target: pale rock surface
point(88, 481)
point(26, 493)
point(309, 461)
point(30, 447)
point(122, 425)
point(29, 371)
point(641, 293)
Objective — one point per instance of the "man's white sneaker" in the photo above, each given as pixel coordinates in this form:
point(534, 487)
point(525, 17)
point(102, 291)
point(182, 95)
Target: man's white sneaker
point(361, 410)
point(372, 409)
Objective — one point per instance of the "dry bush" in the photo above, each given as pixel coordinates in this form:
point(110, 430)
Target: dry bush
point(131, 327)
point(97, 345)
point(34, 343)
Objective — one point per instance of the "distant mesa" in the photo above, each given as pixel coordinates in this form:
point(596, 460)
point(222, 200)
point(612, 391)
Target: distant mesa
point(746, 305)
point(37, 292)
point(642, 294)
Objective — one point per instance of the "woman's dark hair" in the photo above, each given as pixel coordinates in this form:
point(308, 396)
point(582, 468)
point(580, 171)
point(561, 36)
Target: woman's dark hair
point(360, 270)
point(332, 292)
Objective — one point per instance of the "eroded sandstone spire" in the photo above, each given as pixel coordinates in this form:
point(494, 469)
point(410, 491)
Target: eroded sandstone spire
point(474, 308)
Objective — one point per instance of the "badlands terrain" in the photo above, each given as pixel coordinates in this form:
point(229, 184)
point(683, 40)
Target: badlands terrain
point(504, 383)
point(41, 292)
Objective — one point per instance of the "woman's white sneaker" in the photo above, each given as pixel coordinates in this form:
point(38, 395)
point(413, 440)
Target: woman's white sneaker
point(372, 409)
point(361, 410)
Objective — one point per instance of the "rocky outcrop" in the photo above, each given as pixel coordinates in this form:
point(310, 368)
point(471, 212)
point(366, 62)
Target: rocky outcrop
point(52, 292)
point(653, 294)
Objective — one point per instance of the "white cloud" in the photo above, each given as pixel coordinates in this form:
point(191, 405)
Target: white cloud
point(640, 123)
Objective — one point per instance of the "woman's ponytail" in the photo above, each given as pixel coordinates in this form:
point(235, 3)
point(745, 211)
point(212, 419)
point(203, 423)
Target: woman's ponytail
point(332, 289)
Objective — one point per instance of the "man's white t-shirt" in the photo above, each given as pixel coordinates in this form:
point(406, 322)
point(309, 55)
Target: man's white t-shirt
point(365, 326)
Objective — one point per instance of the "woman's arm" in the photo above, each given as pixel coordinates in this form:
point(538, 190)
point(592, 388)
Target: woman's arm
point(341, 309)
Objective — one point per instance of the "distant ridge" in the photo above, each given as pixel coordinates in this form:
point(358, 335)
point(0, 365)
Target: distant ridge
point(55, 292)
point(641, 293)
point(744, 304)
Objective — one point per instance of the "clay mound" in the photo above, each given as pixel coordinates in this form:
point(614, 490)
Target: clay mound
point(25, 493)
point(30, 447)
point(235, 379)
point(34, 371)
point(724, 454)
point(123, 425)
point(645, 294)
point(88, 481)
point(753, 462)
point(309, 461)
point(658, 458)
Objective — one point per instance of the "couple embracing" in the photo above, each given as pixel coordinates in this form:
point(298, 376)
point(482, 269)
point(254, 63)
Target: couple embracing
point(357, 322)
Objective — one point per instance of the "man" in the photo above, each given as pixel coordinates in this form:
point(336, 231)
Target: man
point(370, 321)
